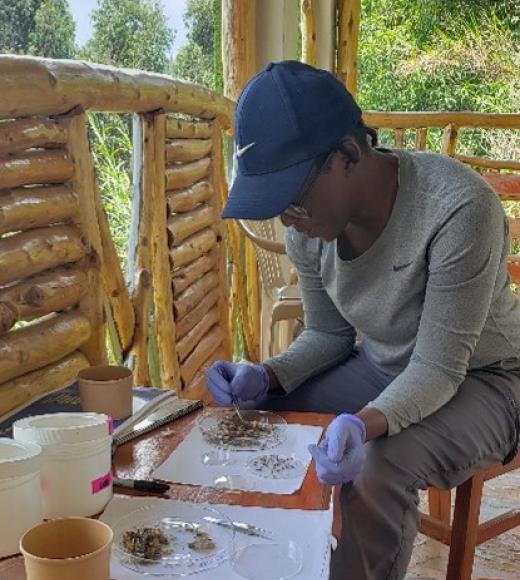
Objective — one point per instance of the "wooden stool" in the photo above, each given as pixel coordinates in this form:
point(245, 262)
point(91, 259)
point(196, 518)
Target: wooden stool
point(464, 533)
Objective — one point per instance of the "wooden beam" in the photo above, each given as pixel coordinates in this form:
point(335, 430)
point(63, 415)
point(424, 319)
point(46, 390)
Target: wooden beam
point(26, 208)
point(38, 86)
point(35, 167)
point(34, 346)
point(185, 175)
point(182, 200)
point(308, 31)
point(449, 139)
point(238, 45)
point(349, 14)
point(406, 120)
point(23, 389)
point(187, 149)
point(487, 163)
point(32, 132)
point(162, 283)
point(182, 129)
point(83, 183)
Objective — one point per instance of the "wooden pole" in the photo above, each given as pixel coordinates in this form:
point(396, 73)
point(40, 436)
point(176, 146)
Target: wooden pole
point(20, 391)
point(413, 120)
point(182, 226)
point(181, 129)
point(185, 324)
point(32, 132)
point(186, 276)
point(26, 208)
point(220, 191)
point(35, 167)
point(163, 295)
point(114, 282)
point(37, 345)
point(141, 243)
point(83, 184)
point(31, 252)
point(184, 175)
point(349, 15)
point(193, 247)
point(52, 291)
point(187, 149)
point(308, 30)
point(182, 200)
point(195, 293)
point(238, 45)
point(37, 86)
point(449, 139)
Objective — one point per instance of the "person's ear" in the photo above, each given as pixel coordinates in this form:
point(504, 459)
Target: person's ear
point(350, 150)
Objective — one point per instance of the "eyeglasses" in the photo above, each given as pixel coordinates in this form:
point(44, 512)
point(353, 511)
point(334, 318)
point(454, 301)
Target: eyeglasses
point(296, 210)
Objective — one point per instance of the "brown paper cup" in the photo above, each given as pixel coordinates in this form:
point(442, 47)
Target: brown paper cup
point(106, 390)
point(67, 548)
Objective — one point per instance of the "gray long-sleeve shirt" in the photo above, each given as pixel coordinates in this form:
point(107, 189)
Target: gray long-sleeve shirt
point(430, 297)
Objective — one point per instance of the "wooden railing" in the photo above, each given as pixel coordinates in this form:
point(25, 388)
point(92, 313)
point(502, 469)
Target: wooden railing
point(61, 281)
point(502, 174)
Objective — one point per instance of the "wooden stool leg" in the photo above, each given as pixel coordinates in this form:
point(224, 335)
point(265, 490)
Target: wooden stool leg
point(439, 504)
point(464, 529)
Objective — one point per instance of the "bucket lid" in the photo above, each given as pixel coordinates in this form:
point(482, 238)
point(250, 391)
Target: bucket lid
point(18, 458)
point(56, 428)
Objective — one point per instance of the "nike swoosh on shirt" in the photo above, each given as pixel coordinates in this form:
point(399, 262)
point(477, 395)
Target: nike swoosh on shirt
point(398, 267)
point(242, 150)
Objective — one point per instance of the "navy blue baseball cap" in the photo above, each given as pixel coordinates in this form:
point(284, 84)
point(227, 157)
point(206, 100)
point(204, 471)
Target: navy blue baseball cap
point(287, 115)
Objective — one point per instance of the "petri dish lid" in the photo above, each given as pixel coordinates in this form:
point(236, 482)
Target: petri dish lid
point(278, 559)
point(190, 539)
point(258, 430)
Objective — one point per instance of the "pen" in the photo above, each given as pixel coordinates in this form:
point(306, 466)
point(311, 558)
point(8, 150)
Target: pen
point(141, 485)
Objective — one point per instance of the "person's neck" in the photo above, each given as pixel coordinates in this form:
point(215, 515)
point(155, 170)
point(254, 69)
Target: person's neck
point(377, 195)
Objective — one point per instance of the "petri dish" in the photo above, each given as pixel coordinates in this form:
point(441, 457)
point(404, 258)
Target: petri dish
point(276, 466)
point(257, 430)
point(280, 559)
point(233, 482)
point(180, 539)
point(217, 456)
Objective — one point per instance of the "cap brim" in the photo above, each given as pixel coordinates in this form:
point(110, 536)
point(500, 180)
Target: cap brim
point(260, 197)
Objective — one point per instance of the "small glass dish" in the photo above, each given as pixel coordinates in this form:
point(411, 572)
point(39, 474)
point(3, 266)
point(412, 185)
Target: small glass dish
point(233, 482)
point(179, 539)
point(276, 466)
point(277, 559)
point(252, 431)
point(217, 457)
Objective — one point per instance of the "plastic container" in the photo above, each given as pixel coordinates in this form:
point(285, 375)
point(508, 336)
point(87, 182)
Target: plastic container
point(20, 496)
point(65, 549)
point(106, 389)
point(76, 476)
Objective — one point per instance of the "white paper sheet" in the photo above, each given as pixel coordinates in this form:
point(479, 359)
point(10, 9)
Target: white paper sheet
point(310, 529)
point(185, 466)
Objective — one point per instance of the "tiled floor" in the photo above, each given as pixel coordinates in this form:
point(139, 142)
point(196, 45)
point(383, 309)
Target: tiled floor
point(497, 559)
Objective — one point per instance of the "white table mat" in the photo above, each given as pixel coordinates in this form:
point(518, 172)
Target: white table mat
point(310, 529)
point(185, 466)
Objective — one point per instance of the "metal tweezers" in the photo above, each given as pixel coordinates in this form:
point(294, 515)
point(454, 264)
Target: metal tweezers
point(242, 527)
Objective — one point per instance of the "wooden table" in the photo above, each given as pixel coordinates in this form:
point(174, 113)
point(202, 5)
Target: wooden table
point(139, 458)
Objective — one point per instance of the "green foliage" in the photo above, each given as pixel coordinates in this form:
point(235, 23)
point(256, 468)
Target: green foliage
point(53, 34)
point(16, 24)
point(197, 60)
point(131, 33)
point(414, 56)
point(112, 150)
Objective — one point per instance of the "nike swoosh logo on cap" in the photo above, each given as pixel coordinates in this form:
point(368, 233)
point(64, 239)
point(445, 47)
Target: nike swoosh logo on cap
point(242, 150)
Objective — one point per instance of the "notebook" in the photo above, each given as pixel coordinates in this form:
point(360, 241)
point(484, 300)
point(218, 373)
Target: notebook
point(152, 408)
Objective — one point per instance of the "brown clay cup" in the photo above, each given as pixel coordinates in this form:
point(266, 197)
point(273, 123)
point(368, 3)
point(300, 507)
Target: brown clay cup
point(106, 389)
point(67, 548)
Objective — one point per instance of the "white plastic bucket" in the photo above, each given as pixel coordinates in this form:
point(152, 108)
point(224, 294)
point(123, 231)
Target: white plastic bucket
point(20, 495)
point(76, 476)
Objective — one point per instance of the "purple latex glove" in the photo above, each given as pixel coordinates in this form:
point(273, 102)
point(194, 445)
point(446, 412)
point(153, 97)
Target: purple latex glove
point(244, 382)
point(339, 457)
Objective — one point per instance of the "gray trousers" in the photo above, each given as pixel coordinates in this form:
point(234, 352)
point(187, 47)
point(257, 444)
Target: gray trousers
point(476, 429)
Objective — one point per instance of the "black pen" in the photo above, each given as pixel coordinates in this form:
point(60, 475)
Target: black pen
point(141, 485)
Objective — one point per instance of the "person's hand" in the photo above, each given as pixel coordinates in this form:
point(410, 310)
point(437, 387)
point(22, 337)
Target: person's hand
point(227, 380)
point(339, 457)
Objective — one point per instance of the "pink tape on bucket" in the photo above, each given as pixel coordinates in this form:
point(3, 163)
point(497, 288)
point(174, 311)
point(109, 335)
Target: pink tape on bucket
point(110, 424)
point(101, 483)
